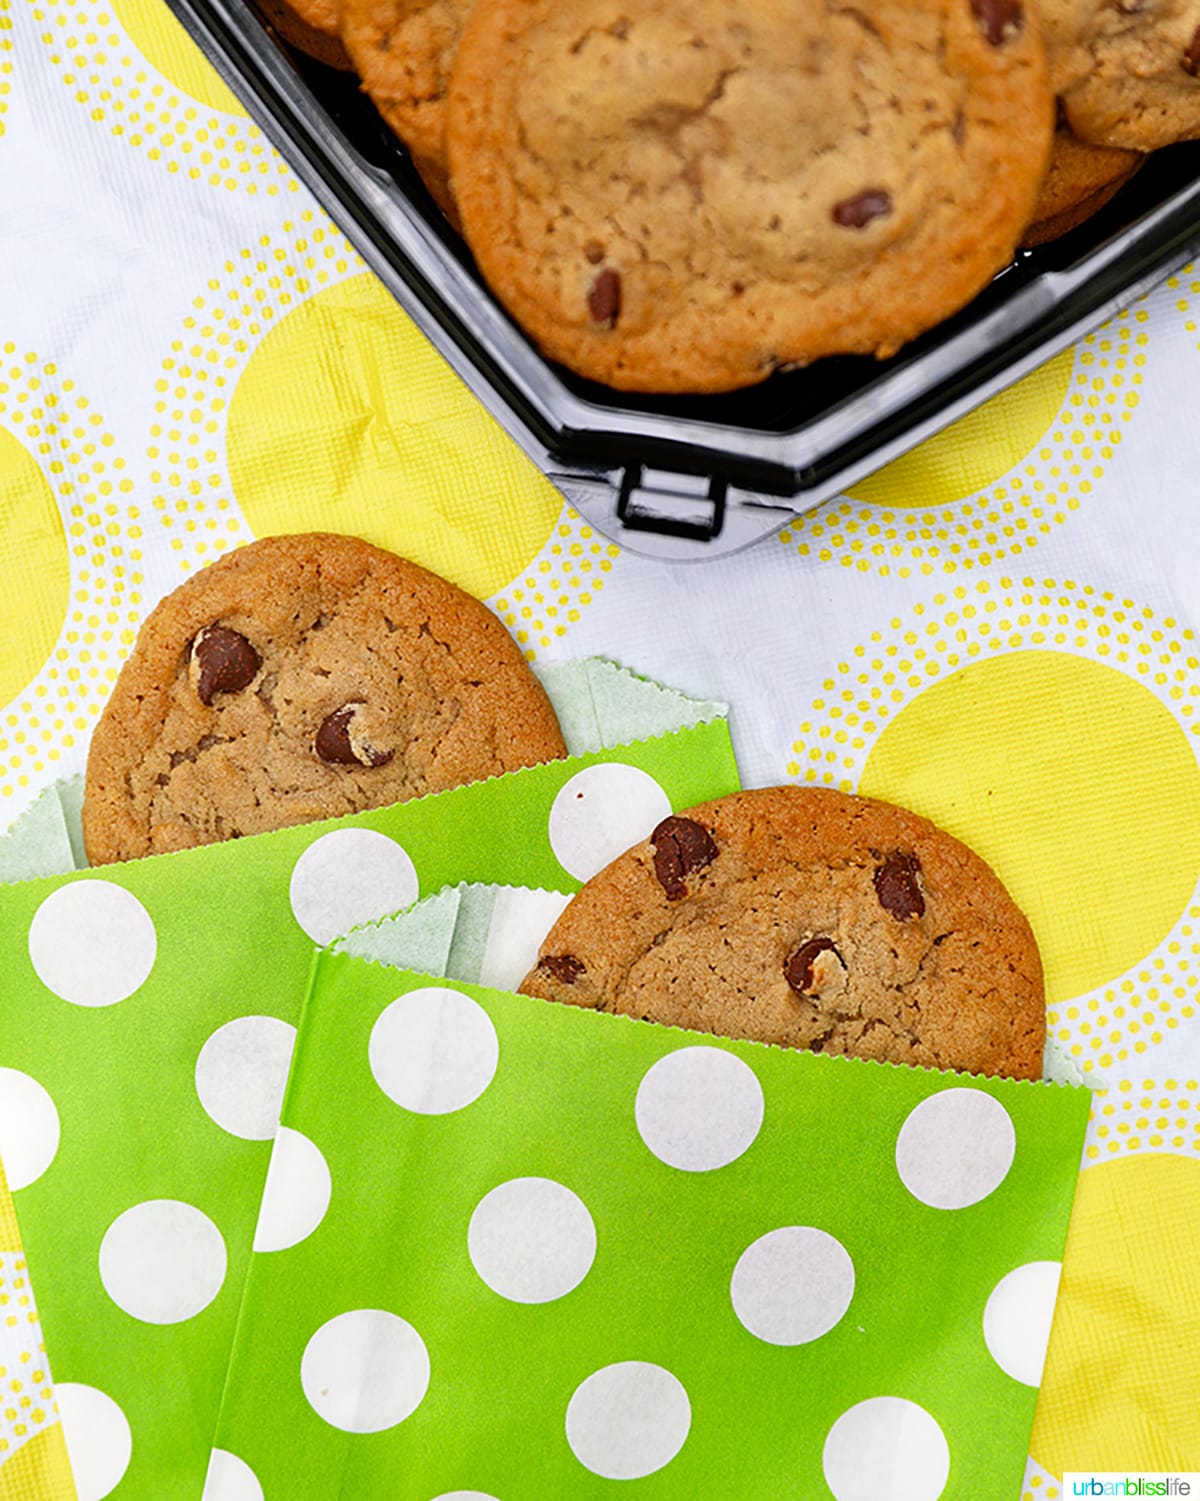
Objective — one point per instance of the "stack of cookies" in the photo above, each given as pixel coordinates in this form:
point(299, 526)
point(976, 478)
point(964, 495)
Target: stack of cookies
point(686, 195)
point(1124, 73)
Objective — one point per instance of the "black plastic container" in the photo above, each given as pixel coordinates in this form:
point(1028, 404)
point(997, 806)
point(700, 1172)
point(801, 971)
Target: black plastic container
point(689, 477)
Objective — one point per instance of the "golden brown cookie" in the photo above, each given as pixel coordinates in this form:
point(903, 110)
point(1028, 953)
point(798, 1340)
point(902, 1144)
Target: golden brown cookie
point(1081, 180)
point(403, 50)
point(310, 26)
point(298, 678)
point(810, 919)
point(1126, 70)
point(683, 195)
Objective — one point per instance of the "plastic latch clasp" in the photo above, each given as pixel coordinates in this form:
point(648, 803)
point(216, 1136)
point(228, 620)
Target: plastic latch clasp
point(672, 504)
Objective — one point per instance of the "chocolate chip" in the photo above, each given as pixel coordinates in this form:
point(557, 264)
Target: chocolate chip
point(681, 846)
point(225, 662)
point(338, 742)
point(999, 20)
point(604, 297)
point(806, 973)
point(897, 887)
point(333, 739)
point(564, 967)
point(1191, 57)
point(857, 212)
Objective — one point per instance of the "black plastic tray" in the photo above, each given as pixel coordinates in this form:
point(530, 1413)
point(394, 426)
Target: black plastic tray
point(689, 477)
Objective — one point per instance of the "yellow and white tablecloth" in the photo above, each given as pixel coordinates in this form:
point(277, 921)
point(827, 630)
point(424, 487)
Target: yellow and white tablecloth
point(998, 631)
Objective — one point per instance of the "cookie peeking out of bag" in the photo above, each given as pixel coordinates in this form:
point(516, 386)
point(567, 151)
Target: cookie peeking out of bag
point(810, 919)
point(298, 678)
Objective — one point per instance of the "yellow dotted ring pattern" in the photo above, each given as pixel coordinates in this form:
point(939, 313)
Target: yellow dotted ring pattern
point(71, 547)
point(300, 397)
point(1145, 1115)
point(135, 71)
point(539, 607)
point(6, 64)
point(1052, 728)
point(192, 490)
point(1115, 1023)
point(1039, 1484)
point(1183, 289)
point(27, 1404)
point(988, 488)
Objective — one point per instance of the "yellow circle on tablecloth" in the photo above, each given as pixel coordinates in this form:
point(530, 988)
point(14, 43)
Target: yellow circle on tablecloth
point(1123, 1369)
point(40, 1469)
point(160, 39)
point(977, 449)
point(34, 565)
point(345, 419)
point(1075, 783)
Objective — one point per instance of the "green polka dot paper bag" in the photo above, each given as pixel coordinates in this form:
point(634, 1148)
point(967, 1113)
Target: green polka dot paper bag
point(150, 1011)
point(511, 1250)
point(998, 630)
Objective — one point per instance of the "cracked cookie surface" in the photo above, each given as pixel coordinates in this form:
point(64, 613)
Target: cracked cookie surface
point(683, 195)
point(811, 919)
point(298, 678)
point(1126, 70)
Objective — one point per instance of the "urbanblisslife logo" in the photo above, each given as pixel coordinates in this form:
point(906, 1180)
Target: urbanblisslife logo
point(1115, 1483)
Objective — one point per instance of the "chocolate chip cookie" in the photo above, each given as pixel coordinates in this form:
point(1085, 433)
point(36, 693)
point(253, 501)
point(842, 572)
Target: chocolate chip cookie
point(299, 678)
point(403, 50)
point(310, 25)
point(1126, 70)
point(810, 919)
point(685, 195)
point(1080, 181)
